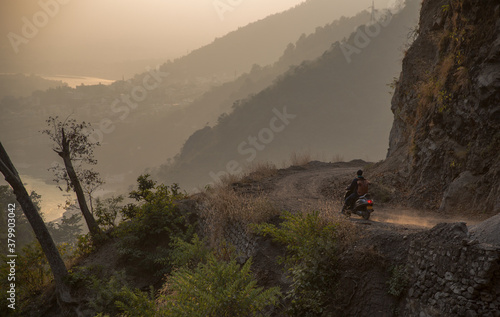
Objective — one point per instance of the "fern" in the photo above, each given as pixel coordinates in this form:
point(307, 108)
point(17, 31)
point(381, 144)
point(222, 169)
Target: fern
point(217, 288)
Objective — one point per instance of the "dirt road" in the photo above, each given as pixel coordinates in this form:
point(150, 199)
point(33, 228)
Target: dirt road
point(321, 185)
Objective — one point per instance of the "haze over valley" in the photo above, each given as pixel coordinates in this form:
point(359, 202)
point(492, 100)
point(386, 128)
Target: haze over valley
point(191, 158)
point(144, 121)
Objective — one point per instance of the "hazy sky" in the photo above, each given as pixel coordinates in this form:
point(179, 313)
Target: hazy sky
point(36, 32)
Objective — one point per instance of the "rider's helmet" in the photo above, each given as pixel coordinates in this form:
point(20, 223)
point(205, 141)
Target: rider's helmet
point(360, 174)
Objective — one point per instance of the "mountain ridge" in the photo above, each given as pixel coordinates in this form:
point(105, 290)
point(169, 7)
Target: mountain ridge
point(322, 95)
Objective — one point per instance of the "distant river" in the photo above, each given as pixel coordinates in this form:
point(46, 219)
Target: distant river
point(51, 198)
point(74, 81)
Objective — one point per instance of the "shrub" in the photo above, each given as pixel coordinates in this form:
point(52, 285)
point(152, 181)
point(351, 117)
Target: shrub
point(155, 223)
point(216, 288)
point(136, 303)
point(107, 211)
point(104, 293)
point(311, 250)
point(32, 275)
point(189, 255)
point(113, 297)
point(398, 281)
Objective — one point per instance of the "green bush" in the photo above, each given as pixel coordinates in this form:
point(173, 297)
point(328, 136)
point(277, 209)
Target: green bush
point(398, 282)
point(32, 275)
point(311, 259)
point(136, 303)
point(104, 293)
point(189, 255)
point(153, 225)
point(216, 288)
point(107, 211)
point(113, 297)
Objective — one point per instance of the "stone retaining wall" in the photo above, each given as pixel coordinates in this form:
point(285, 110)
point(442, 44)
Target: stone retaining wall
point(451, 275)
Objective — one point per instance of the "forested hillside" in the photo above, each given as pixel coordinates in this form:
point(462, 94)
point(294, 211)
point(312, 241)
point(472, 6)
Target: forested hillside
point(336, 104)
point(175, 99)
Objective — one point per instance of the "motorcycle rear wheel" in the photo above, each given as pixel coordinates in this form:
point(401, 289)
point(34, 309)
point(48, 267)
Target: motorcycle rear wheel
point(365, 214)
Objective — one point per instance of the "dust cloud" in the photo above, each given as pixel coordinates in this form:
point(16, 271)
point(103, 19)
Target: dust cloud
point(411, 217)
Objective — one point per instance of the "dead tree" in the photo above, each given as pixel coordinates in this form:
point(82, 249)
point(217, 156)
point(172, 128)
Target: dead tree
point(72, 144)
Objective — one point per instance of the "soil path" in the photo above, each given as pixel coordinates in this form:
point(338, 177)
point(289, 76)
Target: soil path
point(301, 187)
point(306, 188)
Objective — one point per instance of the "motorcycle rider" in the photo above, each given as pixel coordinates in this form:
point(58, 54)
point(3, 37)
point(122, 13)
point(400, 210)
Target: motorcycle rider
point(358, 187)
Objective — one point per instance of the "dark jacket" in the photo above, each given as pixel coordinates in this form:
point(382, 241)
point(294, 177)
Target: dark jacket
point(353, 188)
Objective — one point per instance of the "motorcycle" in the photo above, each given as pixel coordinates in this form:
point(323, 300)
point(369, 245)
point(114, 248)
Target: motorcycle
point(363, 207)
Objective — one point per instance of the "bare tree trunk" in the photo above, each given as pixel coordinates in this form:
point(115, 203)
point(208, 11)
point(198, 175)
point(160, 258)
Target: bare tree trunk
point(77, 187)
point(49, 248)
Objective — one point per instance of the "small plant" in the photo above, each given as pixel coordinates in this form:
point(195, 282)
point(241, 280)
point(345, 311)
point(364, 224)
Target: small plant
point(398, 282)
point(87, 244)
point(189, 254)
point(114, 297)
point(81, 276)
point(393, 85)
point(107, 212)
point(154, 224)
point(311, 258)
point(216, 288)
point(444, 99)
point(136, 303)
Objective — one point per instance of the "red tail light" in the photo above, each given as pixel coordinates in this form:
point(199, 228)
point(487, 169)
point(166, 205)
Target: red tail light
point(370, 201)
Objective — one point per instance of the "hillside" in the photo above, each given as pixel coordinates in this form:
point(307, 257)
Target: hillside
point(220, 99)
point(445, 139)
point(20, 85)
point(183, 100)
point(328, 98)
point(273, 243)
point(362, 267)
point(261, 42)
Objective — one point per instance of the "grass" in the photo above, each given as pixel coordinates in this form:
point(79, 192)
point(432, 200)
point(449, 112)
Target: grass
point(300, 159)
point(223, 206)
point(260, 170)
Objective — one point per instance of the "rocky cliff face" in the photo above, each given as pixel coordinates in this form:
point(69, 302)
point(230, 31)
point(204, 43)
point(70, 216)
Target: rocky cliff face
point(445, 139)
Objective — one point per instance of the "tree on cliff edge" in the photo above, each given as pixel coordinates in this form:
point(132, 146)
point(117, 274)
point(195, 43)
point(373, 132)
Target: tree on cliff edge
point(49, 248)
point(72, 144)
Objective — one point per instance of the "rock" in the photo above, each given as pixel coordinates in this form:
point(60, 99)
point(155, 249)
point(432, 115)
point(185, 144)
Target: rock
point(459, 191)
point(470, 313)
point(486, 297)
point(448, 276)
